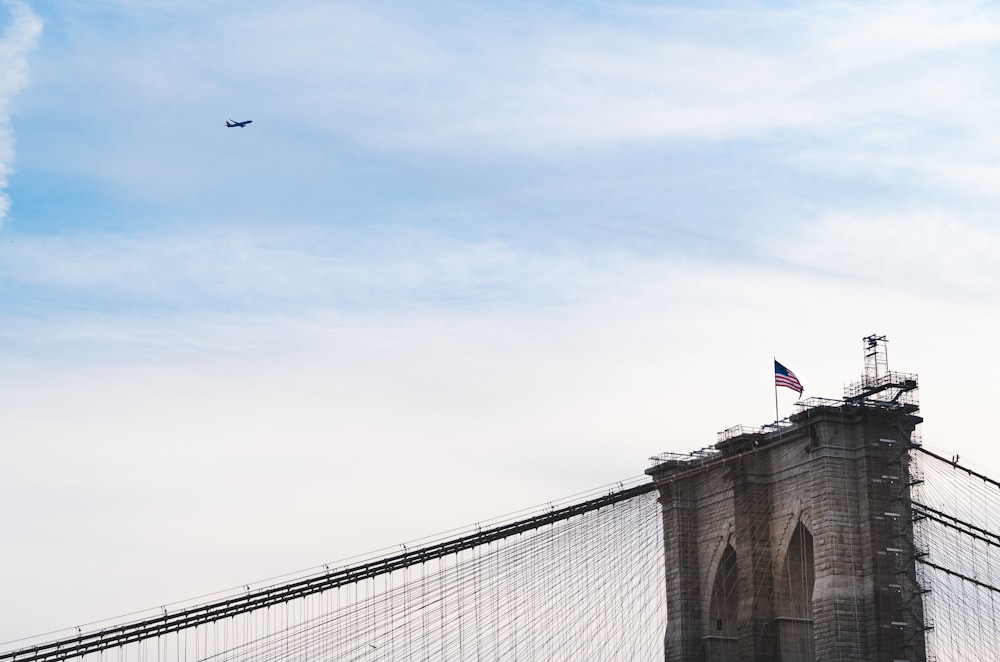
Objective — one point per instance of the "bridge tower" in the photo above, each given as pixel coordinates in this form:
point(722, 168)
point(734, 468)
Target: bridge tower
point(794, 541)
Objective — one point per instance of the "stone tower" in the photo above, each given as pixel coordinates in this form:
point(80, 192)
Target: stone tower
point(794, 542)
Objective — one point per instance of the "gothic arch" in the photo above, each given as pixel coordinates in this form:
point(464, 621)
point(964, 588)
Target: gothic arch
point(724, 596)
point(800, 517)
point(798, 575)
point(794, 597)
point(725, 540)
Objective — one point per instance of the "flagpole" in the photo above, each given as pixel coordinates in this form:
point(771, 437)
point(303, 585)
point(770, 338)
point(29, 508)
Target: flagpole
point(776, 416)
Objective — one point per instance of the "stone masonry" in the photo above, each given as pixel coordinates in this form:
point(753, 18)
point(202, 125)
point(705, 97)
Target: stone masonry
point(795, 543)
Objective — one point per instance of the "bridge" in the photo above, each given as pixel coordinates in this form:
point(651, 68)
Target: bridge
point(578, 579)
point(906, 567)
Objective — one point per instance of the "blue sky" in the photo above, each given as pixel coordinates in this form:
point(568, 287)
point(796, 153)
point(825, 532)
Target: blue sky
point(466, 260)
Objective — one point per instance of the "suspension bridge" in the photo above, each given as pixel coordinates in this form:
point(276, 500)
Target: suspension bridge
point(576, 580)
point(834, 534)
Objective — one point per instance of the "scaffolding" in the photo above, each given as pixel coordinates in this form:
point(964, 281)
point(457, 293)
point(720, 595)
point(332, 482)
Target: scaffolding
point(878, 387)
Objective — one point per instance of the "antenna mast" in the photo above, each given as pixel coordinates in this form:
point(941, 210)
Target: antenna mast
point(876, 359)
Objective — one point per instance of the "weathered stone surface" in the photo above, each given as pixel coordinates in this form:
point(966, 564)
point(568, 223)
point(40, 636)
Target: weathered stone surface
point(818, 516)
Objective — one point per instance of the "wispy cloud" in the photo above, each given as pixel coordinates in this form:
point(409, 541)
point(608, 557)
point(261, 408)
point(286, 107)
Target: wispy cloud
point(944, 254)
point(823, 115)
point(510, 80)
point(17, 40)
point(464, 239)
point(888, 94)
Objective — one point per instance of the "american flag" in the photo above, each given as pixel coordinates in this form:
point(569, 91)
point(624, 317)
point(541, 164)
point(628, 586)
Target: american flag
point(785, 377)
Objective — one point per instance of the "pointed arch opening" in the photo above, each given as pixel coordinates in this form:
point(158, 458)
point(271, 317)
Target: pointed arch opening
point(721, 637)
point(795, 599)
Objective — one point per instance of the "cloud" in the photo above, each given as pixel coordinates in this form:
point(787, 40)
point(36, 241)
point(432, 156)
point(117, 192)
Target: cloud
point(528, 348)
point(511, 406)
point(883, 94)
point(16, 42)
point(511, 80)
point(508, 81)
point(944, 255)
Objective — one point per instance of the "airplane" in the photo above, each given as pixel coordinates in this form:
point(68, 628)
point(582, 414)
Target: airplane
point(231, 123)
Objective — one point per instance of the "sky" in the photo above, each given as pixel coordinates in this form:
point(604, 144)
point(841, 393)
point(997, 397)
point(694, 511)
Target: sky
point(469, 258)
